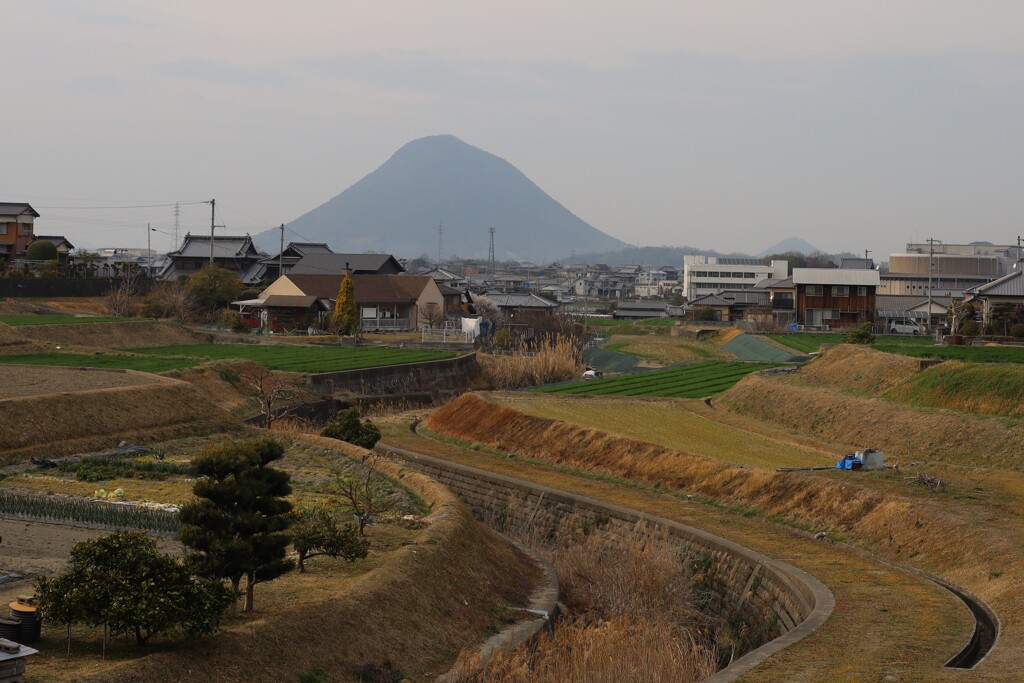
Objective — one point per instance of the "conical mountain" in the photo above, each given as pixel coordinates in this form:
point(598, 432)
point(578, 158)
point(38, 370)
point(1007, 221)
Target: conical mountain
point(441, 180)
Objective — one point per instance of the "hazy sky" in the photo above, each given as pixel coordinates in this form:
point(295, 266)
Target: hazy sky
point(726, 125)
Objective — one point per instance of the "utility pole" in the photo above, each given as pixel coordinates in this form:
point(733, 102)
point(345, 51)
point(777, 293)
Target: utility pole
point(177, 223)
point(931, 266)
point(280, 256)
point(440, 243)
point(866, 261)
point(149, 250)
point(213, 215)
point(490, 254)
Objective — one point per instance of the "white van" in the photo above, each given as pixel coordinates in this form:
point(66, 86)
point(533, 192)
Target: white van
point(906, 327)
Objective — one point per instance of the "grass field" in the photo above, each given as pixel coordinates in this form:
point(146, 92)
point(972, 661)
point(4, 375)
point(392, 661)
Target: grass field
point(687, 425)
point(80, 360)
point(806, 342)
point(22, 320)
point(299, 358)
point(688, 381)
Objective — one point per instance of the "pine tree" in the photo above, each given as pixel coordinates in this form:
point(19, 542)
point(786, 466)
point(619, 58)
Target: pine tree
point(346, 314)
point(237, 526)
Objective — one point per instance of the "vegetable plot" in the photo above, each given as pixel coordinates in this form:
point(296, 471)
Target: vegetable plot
point(688, 381)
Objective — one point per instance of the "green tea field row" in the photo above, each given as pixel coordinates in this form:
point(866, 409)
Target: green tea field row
point(109, 361)
point(22, 320)
point(689, 381)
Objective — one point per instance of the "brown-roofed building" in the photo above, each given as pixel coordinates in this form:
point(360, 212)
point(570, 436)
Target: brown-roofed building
point(385, 302)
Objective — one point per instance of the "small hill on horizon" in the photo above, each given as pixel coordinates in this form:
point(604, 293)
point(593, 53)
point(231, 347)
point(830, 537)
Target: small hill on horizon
point(791, 244)
point(441, 180)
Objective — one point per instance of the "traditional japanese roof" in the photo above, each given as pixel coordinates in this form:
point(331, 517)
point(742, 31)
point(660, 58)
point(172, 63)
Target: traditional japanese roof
point(17, 209)
point(359, 264)
point(1008, 285)
point(369, 288)
point(519, 300)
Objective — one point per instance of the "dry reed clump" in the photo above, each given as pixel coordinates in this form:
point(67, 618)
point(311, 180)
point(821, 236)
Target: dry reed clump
point(857, 367)
point(628, 608)
point(557, 361)
point(903, 528)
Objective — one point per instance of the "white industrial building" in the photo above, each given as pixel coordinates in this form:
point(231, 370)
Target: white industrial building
point(711, 274)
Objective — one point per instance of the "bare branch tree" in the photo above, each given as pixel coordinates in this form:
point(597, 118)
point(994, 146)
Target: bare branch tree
point(365, 491)
point(270, 390)
point(120, 298)
point(432, 314)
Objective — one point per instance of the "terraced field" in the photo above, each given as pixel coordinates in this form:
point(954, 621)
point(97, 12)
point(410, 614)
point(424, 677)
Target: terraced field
point(81, 360)
point(22, 320)
point(687, 381)
point(298, 358)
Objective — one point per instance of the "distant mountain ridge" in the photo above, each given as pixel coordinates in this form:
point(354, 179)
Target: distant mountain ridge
point(791, 244)
point(441, 180)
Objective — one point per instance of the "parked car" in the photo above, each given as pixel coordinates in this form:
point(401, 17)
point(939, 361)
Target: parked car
point(906, 327)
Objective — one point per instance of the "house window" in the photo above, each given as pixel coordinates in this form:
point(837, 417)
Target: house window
point(862, 291)
point(26, 228)
point(3, 228)
point(840, 290)
point(815, 290)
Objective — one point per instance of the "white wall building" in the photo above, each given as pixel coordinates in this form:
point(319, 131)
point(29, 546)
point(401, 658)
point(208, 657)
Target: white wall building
point(711, 274)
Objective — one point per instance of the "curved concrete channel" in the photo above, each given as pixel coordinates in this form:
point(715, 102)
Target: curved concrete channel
point(798, 602)
point(981, 643)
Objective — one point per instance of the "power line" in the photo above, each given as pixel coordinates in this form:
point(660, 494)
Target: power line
point(133, 206)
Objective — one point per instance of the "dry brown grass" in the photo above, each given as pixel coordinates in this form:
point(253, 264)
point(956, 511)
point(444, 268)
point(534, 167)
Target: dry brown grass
point(60, 424)
point(126, 335)
point(899, 526)
point(627, 608)
point(556, 362)
point(857, 367)
point(13, 343)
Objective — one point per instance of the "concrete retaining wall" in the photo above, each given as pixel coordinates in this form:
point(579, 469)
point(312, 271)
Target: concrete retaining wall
point(777, 601)
point(398, 379)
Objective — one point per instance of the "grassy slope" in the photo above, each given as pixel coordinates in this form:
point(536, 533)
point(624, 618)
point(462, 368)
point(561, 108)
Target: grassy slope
point(916, 347)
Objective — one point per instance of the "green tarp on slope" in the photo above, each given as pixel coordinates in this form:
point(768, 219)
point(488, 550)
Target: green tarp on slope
point(746, 347)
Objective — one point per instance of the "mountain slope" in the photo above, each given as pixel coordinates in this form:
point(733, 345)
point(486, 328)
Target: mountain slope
point(442, 180)
point(791, 244)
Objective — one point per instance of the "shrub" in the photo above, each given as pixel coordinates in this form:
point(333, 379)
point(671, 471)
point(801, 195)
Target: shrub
point(860, 334)
point(969, 328)
point(214, 287)
point(318, 531)
point(234, 321)
point(1017, 331)
point(346, 427)
point(41, 250)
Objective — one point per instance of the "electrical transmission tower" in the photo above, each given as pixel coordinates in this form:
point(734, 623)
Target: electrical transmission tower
point(490, 254)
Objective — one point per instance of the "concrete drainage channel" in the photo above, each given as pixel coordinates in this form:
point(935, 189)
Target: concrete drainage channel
point(795, 602)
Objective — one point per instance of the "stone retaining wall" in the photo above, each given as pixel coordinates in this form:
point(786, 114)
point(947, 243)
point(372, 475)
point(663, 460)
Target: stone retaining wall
point(781, 603)
point(398, 379)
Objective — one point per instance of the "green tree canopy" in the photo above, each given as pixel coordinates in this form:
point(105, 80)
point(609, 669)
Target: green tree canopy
point(122, 581)
point(41, 250)
point(346, 313)
point(347, 427)
point(319, 531)
point(237, 525)
point(213, 288)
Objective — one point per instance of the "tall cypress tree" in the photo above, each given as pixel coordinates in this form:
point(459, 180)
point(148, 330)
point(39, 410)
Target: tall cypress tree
point(236, 526)
point(346, 313)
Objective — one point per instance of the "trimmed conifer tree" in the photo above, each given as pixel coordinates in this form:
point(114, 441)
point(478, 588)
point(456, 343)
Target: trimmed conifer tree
point(346, 314)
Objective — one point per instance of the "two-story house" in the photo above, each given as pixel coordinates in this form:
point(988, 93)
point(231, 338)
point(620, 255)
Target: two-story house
point(17, 221)
point(834, 297)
